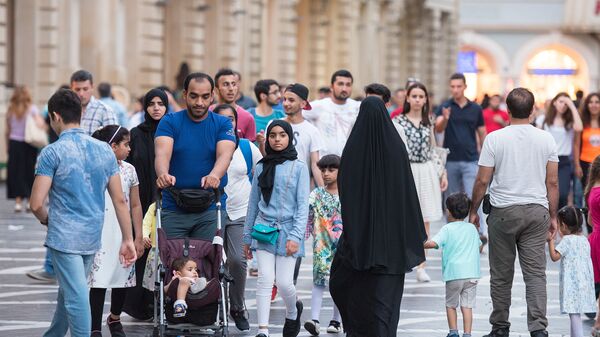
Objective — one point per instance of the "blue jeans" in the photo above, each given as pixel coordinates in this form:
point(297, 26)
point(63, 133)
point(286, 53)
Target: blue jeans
point(73, 304)
point(48, 268)
point(461, 178)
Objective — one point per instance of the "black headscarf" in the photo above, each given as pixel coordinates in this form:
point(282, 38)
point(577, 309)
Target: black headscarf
point(149, 123)
point(383, 224)
point(273, 158)
point(142, 150)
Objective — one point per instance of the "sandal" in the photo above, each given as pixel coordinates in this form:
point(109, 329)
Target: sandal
point(179, 310)
point(595, 332)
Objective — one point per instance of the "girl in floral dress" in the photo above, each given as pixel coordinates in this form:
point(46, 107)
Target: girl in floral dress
point(576, 271)
point(325, 224)
point(107, 271)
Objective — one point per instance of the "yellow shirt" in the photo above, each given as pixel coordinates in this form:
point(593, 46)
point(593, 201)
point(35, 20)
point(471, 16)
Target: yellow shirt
point(149, 223)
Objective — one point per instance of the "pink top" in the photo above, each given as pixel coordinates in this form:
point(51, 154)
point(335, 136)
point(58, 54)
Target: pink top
point(594, 238)
point(17, 125)
point(245, 125)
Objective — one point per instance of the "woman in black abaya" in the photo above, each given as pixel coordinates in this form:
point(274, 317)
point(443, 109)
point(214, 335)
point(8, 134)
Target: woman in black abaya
point(139, 301)
point(383, 226)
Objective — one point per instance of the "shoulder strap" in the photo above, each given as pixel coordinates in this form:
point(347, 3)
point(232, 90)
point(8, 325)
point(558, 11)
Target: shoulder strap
point(247, 153)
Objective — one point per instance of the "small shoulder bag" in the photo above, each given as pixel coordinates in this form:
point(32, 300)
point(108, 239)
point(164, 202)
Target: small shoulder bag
point(269, 234)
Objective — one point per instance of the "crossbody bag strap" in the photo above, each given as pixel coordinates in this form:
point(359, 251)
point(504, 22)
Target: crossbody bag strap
point(287, 184)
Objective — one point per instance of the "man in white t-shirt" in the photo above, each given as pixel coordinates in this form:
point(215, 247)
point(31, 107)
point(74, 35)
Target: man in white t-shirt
point(523, 197)
point(334, 116)
point(307, 138)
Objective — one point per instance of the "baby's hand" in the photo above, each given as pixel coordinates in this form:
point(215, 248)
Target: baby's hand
point(147, 243)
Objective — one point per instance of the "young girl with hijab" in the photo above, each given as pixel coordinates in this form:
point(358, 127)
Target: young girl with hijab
point(278, 199)
point(383, 226)
point(107, 272)
point(139, 301)
point(418, 134)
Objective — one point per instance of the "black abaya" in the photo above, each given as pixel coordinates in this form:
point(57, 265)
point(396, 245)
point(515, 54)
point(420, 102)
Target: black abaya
point(383, 226)
point(139, 300)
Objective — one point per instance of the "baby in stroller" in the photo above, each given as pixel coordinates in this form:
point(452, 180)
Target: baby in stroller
point(186, 271)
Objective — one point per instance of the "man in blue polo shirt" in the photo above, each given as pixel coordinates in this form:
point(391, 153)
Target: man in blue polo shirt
point(193, 150)
point(461, 121)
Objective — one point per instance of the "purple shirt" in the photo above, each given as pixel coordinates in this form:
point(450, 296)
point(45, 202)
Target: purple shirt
point(17, 125)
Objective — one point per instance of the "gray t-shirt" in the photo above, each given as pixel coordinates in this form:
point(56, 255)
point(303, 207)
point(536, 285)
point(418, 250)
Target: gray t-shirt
point(519, 155)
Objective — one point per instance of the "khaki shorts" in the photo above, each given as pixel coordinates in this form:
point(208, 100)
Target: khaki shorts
point(461, 292)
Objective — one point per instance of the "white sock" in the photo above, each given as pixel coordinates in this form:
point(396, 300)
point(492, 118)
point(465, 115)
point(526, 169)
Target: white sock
point(265, 331)
point(180, 302)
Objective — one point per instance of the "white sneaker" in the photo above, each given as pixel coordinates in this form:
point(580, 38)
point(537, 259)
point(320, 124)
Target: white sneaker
point(334, 327)
point(312, 327)
point(422, 275)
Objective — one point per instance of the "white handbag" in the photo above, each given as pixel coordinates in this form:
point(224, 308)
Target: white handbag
point(34, 135)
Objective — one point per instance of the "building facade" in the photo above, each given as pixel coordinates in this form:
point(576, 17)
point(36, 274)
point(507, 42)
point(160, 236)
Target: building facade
point(140, 44)
point(549, 46)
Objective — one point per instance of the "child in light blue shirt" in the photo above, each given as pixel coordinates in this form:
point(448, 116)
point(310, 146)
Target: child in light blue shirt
point(460, 245)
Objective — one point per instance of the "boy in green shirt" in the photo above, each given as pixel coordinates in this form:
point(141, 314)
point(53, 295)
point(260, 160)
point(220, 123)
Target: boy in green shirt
point(460, 243)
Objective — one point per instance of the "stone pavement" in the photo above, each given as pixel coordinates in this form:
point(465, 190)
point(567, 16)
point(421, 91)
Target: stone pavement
point(26, 306)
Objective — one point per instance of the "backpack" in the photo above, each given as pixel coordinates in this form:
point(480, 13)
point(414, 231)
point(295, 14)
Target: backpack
point(247, 153)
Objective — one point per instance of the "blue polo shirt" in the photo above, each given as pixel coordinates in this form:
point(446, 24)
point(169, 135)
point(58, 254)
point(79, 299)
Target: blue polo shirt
point(80, 167)
point(194, 149)
point(460, 135)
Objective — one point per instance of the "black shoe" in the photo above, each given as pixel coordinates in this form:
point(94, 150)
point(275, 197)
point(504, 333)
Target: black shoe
point(96, 333)
point(291, 328)
point(261, 335)
point(240, 319)
point(539, 333)
point(312, 327)
point(115, 327)
point(501, 332)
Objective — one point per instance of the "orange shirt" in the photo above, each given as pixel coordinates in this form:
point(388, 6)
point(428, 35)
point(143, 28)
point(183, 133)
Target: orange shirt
point(590, 144)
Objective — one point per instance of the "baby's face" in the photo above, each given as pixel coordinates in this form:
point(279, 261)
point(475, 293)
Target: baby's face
point(189, 270)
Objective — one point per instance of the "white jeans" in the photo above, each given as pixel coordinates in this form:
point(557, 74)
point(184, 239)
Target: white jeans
point(278, 270)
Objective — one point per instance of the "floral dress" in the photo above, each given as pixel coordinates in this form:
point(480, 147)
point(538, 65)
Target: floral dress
point(325, 224)
point(107, 271)
point(576, 276)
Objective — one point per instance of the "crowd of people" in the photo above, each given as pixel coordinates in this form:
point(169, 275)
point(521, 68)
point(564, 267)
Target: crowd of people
point(364, 179)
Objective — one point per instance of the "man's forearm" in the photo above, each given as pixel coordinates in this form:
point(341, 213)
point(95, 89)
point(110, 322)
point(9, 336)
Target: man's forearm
point(552, 190)
point(478, 192)
point(161, 165)
point(221, 165)
point(440, 125)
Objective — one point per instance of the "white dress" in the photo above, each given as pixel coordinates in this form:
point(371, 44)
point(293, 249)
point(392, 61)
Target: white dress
point(107, 271)
point(576, 276)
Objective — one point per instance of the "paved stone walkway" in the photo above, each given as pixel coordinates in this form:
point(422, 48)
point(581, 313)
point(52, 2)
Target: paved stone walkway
point(26, 306)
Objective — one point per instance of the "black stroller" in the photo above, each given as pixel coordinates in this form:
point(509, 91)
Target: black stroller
point(206, 313)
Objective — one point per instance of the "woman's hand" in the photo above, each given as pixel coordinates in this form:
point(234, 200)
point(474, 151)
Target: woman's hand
point(578, 171)
point(444, 182)
point(247, 252)
point(291, 247)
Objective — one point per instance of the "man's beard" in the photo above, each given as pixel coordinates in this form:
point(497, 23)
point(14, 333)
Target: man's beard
point(340, 98)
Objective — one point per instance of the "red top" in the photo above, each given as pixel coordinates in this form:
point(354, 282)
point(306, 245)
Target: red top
point(490, 123)
point(396, 112)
